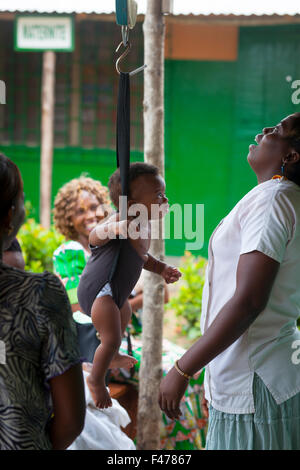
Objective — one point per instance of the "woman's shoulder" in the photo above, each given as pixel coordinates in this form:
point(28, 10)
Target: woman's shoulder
point(24, 287)
point(12, 272)
point(260, 190)
point(40, 297)
point(275, 201)
point(281, 193)
point(269, 192)
point(290, 189)
point(26, 277)
point(277, 186)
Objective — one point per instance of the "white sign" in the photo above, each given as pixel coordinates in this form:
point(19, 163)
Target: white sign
point(44, 32)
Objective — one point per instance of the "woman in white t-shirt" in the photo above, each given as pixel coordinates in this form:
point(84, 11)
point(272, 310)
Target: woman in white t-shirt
point(251, 301)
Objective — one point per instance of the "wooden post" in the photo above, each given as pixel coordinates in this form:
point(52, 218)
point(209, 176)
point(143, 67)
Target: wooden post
point(75, 94)
point(149, 414)
point(47, 124)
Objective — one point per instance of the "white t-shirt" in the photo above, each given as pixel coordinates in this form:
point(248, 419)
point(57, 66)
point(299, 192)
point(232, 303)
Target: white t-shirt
point(267, 219)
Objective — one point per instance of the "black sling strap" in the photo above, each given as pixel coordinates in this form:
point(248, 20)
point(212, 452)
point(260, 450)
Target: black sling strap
point(123, 132)
point(123, 158)
point(122, 148)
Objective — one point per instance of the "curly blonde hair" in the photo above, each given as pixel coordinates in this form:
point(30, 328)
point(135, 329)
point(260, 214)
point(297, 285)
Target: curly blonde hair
point(66, 200)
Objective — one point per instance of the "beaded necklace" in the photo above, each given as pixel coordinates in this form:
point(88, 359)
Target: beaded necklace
point(279, 177)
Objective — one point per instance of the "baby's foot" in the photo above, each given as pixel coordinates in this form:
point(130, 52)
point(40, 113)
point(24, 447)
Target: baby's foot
point(99, 393)
point(122, 361)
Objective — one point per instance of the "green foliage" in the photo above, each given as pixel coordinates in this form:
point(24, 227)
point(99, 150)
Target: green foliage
point(38, 244)
point(187, 304)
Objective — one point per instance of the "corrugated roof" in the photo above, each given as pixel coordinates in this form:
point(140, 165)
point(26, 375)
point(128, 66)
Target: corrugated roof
point(181, 7)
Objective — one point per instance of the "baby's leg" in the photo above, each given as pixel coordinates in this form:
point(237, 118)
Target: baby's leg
point(107, 321)
point(126, 313)
point(123, 360)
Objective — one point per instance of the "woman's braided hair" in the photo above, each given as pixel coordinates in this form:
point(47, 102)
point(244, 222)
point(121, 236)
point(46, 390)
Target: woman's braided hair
point(66, 201)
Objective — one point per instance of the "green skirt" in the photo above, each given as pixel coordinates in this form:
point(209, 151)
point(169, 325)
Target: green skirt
point(271, 427)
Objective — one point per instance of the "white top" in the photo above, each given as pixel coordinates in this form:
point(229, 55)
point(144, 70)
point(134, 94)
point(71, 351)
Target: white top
point(267, 219)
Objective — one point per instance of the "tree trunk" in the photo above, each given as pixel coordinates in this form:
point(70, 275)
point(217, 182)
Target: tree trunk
point(48, 96)
point(149, 414)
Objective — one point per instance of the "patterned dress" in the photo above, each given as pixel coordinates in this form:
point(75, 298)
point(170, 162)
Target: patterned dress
point(189, 431)
point(37, 342)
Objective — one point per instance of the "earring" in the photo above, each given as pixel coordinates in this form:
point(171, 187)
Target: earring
point(282, 169)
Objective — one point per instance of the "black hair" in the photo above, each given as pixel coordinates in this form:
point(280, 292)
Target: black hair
point(136, 170)
point(10, 184)
point(294, 141)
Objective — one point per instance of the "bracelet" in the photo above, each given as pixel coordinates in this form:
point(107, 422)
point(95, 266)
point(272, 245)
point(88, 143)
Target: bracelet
point(183, 374)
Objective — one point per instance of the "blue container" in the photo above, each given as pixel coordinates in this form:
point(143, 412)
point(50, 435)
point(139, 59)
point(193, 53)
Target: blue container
point(121, 12)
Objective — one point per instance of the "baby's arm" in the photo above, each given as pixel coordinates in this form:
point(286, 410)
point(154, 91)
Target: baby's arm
point(109, 230)
point(169, 273)
point(154, 265)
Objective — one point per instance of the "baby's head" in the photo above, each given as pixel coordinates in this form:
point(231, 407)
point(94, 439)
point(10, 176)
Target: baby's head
point(146, 186)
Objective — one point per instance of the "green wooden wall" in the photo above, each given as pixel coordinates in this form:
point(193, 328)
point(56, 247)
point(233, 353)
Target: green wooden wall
point(199, 116)
point(213, 111)
point(267, 56)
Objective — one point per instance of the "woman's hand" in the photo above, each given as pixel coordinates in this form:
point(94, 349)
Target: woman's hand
point(68, 399)
point(171, 391)
point(204, 407)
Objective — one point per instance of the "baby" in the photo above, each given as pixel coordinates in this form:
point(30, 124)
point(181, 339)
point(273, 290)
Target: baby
point(119, 253)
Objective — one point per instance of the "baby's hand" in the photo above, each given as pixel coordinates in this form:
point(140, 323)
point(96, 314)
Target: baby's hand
point(171, 274)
